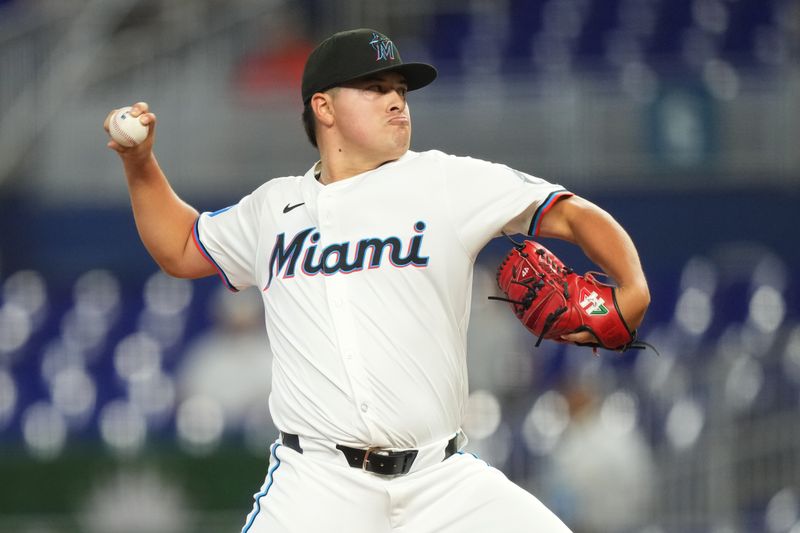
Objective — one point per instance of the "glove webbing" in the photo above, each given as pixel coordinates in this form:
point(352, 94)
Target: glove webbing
point(548, 323)
point(530, 296)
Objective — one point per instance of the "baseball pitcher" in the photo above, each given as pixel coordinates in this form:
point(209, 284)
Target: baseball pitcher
point(364, 263)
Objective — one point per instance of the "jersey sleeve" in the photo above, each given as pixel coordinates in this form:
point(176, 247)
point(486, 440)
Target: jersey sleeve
point(228, 239)
point(486, 198)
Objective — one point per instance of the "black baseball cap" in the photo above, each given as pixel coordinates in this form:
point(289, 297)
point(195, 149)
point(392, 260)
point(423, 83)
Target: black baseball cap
point(352, 54)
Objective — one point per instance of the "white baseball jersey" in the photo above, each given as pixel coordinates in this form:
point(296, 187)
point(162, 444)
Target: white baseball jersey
point(366, 285)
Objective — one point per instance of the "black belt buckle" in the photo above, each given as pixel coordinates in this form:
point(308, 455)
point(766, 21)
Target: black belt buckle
point(377, 462)
point(365, 462)
point(388, 464)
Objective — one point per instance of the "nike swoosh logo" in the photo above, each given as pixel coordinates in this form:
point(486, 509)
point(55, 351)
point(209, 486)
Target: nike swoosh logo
point(290, 207)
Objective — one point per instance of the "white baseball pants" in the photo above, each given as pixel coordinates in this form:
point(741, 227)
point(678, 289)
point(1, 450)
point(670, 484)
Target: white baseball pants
point(317, 491)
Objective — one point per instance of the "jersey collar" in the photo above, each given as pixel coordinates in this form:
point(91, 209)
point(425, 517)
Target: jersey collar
point(311, 187)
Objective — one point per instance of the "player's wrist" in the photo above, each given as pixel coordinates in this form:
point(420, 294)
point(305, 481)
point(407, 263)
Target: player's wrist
point(137, 160)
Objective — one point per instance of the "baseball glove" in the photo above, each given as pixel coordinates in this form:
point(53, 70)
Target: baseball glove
point(551, 300)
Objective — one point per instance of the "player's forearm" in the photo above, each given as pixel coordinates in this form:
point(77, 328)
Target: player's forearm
point(606, 243)
point(609, 246)
point(163, 220)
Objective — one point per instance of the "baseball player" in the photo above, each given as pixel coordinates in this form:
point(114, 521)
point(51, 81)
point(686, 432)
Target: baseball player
point(364, 264)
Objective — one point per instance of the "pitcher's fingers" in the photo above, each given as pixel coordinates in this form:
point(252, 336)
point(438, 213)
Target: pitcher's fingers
point(148, 119)
point(139, 108)
point(114, 145)
point(583, 336)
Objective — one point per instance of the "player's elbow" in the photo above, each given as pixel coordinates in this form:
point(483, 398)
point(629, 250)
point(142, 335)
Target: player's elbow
point(646, 297)
point(643, 298)
point(188, 265)
point(172, 268)
point(636, 302)
point(182, 261)
point(176, 266)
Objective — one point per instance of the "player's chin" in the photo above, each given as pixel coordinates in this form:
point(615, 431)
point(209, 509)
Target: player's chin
point(400, 148)
point(401, 137)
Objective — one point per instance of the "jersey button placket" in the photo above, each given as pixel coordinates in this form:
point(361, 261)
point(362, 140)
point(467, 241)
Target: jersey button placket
point(324, 210)
point(341, 314)
point(344, 324)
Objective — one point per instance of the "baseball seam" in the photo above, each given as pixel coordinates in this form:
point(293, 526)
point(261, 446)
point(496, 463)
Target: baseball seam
point(122, 132)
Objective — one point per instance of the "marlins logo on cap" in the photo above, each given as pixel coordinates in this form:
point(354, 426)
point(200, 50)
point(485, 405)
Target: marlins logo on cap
point(383, 46)
point(353, 54)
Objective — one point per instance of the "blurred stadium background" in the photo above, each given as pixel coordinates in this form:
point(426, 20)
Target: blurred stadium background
point(130, 401)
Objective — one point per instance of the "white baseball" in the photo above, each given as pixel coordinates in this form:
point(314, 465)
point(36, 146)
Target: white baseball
point(125, 129)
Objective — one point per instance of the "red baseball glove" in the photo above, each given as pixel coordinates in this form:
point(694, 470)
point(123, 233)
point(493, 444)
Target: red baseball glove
point(551, 300)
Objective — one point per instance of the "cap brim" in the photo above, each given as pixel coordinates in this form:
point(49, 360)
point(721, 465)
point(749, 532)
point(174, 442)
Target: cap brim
point(417, 75)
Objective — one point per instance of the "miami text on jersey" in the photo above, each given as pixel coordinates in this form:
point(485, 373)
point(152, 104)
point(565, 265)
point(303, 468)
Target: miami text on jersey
point(337, 257)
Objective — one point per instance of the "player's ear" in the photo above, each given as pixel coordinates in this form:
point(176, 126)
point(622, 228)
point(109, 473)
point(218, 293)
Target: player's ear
point(322, 104)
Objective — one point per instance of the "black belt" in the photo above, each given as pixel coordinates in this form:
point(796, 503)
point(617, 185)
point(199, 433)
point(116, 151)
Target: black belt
point(374, 459)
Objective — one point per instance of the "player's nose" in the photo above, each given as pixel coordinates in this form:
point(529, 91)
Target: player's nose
point(397, 101)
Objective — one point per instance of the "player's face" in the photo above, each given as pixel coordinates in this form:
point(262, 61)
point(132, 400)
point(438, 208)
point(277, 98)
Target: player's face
point(372, 115)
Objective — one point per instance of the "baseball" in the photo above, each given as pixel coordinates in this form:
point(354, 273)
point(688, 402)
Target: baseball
point(125, 129)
